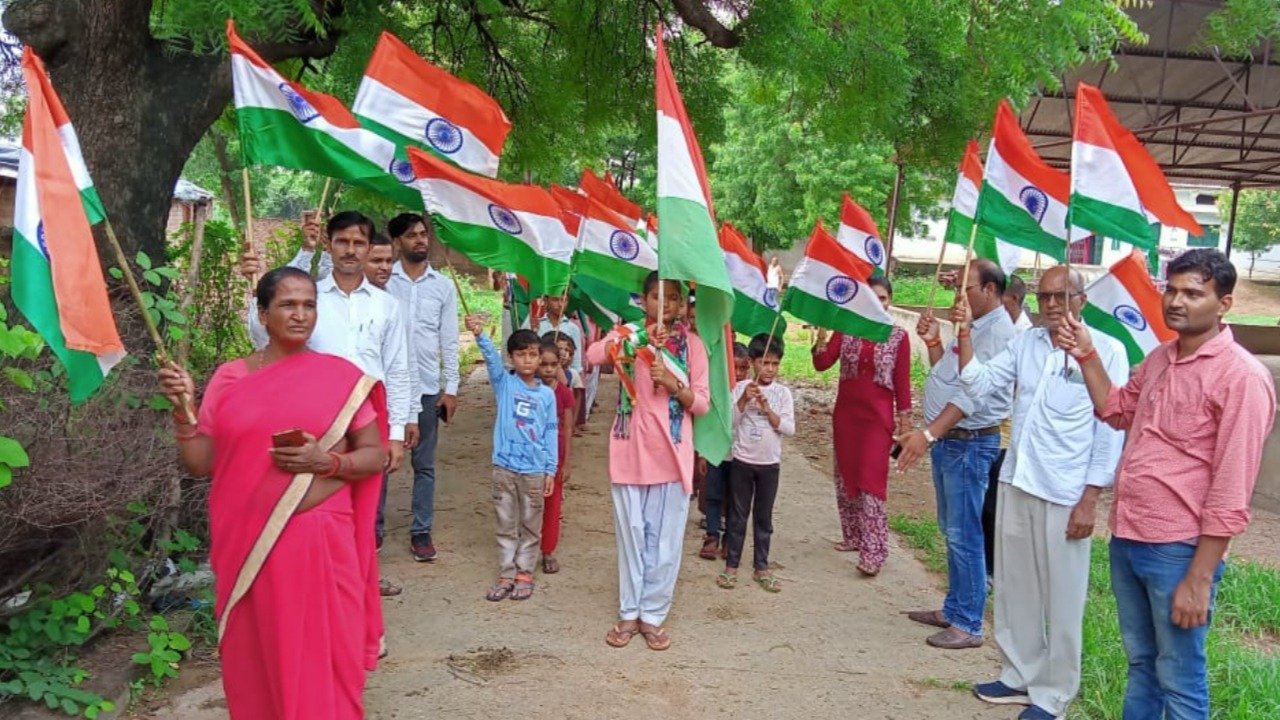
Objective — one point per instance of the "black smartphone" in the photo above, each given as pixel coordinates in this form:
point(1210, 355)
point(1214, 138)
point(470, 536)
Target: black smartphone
point(896, 451)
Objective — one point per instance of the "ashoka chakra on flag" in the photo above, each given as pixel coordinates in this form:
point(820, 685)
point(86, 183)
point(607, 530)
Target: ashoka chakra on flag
point(505, 220)
point(624, 245)
point(1129, 315)
point(1035, 201)
point(770, 298)
point(301, 109)
point(875, 250)
point(443, 136)
point(402, 170)
point(841, 289)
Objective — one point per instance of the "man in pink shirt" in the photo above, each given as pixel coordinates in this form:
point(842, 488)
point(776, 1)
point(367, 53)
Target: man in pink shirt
point(1197, 411)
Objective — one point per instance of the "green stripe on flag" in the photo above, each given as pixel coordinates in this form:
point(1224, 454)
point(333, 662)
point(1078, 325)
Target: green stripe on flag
point(495, 249)
point(1012, 222)
point(1113, 221)
point(275, 137)
point(1102, 321)
point(824, 314)
point(33, 294)
point(401, 141)
point(751, 318)
point(610, 269)
point(93, 206)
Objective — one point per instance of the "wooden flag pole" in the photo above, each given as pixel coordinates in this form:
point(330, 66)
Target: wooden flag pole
point(968, 257)
point(248, 222)
point(933, 284)
point(462, 298)
point(324, 197)
point(162, 353)
point(769, 341)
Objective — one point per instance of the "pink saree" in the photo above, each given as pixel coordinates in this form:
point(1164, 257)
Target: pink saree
point(299, 613)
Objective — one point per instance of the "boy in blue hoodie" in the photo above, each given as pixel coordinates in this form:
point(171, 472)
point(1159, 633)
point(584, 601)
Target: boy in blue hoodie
point(525, 455)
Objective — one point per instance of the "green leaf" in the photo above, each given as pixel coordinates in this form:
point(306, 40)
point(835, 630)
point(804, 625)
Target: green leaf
point(82, 624)
point(152, 277)
point(6, 476)
point(159, 402)
point(143, 260)
point(148, 300)
point(21, 378)
point(91, 712)
point(70, 707)
point(12, 453)
point(169, 272)
point(116, 272)
point(142, 658)
point(175, 317)
point(179, 642)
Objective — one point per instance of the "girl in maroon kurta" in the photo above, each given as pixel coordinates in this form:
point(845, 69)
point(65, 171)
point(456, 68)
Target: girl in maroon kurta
point(874, 378)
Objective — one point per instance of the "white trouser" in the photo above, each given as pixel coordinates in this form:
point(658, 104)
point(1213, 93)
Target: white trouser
point(648, 522)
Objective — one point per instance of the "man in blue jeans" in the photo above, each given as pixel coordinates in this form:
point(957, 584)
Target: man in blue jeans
point(962, 435)
point(1198, 411)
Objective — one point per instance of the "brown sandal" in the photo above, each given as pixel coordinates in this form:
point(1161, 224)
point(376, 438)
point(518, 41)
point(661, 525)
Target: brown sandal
point(928, 617)
point(619, 636)
point(655, 637)
point(710, 547)
point(550, 565)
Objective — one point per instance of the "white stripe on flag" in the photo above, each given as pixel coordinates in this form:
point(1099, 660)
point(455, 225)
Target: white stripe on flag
point(677, 175)
point(385, 106)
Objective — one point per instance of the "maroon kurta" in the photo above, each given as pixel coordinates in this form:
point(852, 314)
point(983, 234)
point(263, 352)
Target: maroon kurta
point(863, 420)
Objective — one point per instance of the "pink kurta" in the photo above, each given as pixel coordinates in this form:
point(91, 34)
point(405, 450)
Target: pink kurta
point(649, 456)
point(300, 641)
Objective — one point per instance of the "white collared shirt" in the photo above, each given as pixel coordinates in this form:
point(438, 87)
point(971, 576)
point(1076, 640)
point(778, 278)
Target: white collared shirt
point(367, 329)
point(1058, 446)
point(429, 305)
point(991, 334)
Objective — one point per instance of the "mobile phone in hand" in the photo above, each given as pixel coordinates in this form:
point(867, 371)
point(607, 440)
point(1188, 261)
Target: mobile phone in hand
point(896, 451)
point(289, 438)
point(442, 414)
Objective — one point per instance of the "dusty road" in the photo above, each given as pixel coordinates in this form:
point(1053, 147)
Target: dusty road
point(831, 644)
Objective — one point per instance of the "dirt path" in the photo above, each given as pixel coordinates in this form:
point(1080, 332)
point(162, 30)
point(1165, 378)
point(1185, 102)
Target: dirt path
point(829, 644)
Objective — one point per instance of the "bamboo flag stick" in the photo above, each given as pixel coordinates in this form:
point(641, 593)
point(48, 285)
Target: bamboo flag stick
point(933, 283)
point(462, 298)
point(162, 353)
point(968, 257)
point(248, 222)
point(324, 197)
point(769, 342)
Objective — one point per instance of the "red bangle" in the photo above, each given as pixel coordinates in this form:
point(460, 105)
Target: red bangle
point(932, 343)
point(334, 468)
point(1088, 356)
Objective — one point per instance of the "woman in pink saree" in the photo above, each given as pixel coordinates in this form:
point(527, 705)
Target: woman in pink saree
point(290, 518)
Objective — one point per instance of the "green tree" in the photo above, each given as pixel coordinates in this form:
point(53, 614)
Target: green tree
point(1257, 223)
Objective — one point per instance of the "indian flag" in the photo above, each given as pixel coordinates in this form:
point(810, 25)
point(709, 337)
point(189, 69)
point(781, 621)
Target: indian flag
point(610, 250)
point(1117, 188)
point(57, 280)
point(964, 205)
point(1023, 200)
point(283, 123)
point(755, 304)
point(413, 103)
point(690, 251)
point(516, 228)
point(606, 304)
point(858, 234)
point(1126, 305)
point(607, 193)
point(828, 288)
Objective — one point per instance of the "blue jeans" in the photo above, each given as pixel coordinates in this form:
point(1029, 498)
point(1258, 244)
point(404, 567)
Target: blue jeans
point(424, 468)
point(1168, 677)
point(960, 470)
point(716, 487)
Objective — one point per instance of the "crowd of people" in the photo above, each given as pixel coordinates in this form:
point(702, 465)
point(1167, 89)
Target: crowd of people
point(1025, 427)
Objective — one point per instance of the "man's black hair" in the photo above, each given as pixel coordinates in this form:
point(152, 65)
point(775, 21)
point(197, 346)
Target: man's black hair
point(1017, 288)
point(270, 282)
point(349, 218)
point(400, 224)
point(522, 339)
point(551, 336)
point(1209, 264)
point(379, 239)
point(756, 348)
point(989, 272)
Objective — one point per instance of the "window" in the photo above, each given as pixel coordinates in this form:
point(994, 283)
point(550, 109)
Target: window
point(1115, 244)
point(1210, 238)
point(1204, 199)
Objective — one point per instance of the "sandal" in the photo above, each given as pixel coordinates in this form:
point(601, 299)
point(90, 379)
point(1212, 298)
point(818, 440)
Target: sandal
point(523, 588)
point(846, 546)
point(769, 582)
point(620, 635)
point(550, 565)
point(500, 590)
point(710, 547)
point(727, 580)
point(655, 637)
point(868, 572)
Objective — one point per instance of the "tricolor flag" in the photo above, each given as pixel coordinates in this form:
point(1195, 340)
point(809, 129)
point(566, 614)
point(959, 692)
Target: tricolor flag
point(283, 123)
point(828, 288)
point(964, 206)
point(1117, 188)
point(1023, 200)
point(604, 303)
point(608, 194)
point(1126, 305)
point(413, 103)
point(56, 276)
point(516, 228)
point(690, 251)
point(755, 304)
point(610, 250)
point(858, 234)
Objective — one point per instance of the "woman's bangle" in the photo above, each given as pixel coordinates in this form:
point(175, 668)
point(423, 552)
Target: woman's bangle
point(932, 343)
point(335, 466)
point(1088, 356)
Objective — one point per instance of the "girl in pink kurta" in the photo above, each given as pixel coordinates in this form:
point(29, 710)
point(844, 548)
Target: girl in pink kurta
point(651, 458)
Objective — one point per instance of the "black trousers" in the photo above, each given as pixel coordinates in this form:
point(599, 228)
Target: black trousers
point(752, 490)
point(989, 512)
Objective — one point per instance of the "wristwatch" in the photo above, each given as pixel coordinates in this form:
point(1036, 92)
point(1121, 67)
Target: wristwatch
point(929, 436)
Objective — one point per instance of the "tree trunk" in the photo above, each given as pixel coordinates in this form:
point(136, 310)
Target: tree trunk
point(138, 106)
point(226, 173)
point(1253, 258)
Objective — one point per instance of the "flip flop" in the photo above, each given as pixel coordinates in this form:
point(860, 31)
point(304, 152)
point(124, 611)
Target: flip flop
point(656, 638)
point(727, 581)
point(500, 590)
point(619, 636)
point(769, 582)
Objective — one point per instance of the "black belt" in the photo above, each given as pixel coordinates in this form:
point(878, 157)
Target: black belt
point(962, 434)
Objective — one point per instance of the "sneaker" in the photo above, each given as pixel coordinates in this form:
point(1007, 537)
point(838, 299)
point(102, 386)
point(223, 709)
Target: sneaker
point(997, 693)
point(422, 549)
point(1035, 712)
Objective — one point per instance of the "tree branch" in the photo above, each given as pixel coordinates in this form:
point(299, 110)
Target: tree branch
point(696, 14)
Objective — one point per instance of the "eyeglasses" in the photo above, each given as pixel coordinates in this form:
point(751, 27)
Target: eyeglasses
point(1044, 298)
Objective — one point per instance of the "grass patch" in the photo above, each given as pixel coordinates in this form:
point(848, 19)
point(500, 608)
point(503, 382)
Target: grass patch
point(1248, 319)
point(922, 536)
point(940, 684)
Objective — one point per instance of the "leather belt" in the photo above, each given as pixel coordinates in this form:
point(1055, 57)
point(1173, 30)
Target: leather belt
point(962, 434)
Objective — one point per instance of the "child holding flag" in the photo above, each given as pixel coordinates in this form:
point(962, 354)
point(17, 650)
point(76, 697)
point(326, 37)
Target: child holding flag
point(663, 371)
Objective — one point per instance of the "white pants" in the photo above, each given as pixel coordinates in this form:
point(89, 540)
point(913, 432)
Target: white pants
point(1041, 583)
point(593, 388)
point(648, 522)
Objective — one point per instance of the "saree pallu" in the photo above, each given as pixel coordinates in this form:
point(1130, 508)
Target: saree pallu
point(297, 594)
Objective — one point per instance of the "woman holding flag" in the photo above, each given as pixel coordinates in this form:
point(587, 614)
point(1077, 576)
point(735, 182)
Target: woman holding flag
point(663, 371)
point(291, 512)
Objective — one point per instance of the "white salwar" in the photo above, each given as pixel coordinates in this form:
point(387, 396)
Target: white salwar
point(648, 522)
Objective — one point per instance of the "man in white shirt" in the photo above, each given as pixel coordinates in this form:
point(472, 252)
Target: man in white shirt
point(429, 303)
point(357, 321)
point(1059, 460)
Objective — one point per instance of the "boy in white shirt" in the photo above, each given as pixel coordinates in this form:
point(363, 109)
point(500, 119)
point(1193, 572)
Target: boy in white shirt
point(763, 413)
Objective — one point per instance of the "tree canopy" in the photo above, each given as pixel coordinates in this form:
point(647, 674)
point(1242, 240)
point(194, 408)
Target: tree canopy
point(1257, 223)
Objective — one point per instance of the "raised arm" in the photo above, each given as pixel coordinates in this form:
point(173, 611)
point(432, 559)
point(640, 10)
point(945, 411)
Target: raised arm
point(826, 354)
